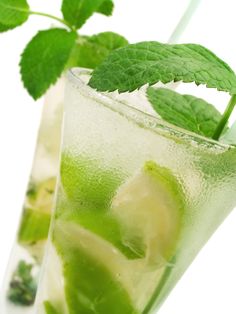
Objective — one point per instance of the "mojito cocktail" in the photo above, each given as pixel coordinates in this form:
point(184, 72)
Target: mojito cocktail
point(136, 200)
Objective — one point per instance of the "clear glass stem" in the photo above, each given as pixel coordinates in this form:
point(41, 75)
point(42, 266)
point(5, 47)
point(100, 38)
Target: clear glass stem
point(184, 21)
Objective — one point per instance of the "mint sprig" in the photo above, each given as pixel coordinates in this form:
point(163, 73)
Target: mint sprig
point(185, 111)
point(135, 65)
point(50, 52)
point(49, 48)
point(13, 13)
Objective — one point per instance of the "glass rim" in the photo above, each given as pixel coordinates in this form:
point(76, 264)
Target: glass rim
point(155, 123)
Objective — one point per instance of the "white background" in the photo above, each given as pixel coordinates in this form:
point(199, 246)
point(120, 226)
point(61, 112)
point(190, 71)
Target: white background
point(210, 283)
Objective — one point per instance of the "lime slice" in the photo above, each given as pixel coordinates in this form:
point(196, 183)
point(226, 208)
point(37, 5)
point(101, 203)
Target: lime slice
point(150, 205)
point(86, 181)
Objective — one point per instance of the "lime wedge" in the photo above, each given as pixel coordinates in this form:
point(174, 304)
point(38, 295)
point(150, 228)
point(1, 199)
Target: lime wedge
point(150, 205)
point(84, 180)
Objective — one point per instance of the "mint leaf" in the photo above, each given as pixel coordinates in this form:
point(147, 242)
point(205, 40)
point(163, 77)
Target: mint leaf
point(22, 289)
point(76, 12)
point(131, 67)
point(44, 59)
point(89, 285)
point(185, 111)
point(106, 8)
point(230, 136)
point(13, 13)
point(89, 52)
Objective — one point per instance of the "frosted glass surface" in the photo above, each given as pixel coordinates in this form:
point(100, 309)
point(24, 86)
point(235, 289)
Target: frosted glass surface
point(136, 201)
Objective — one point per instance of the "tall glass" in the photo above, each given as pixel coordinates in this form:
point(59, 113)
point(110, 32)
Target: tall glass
point(136, 200)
